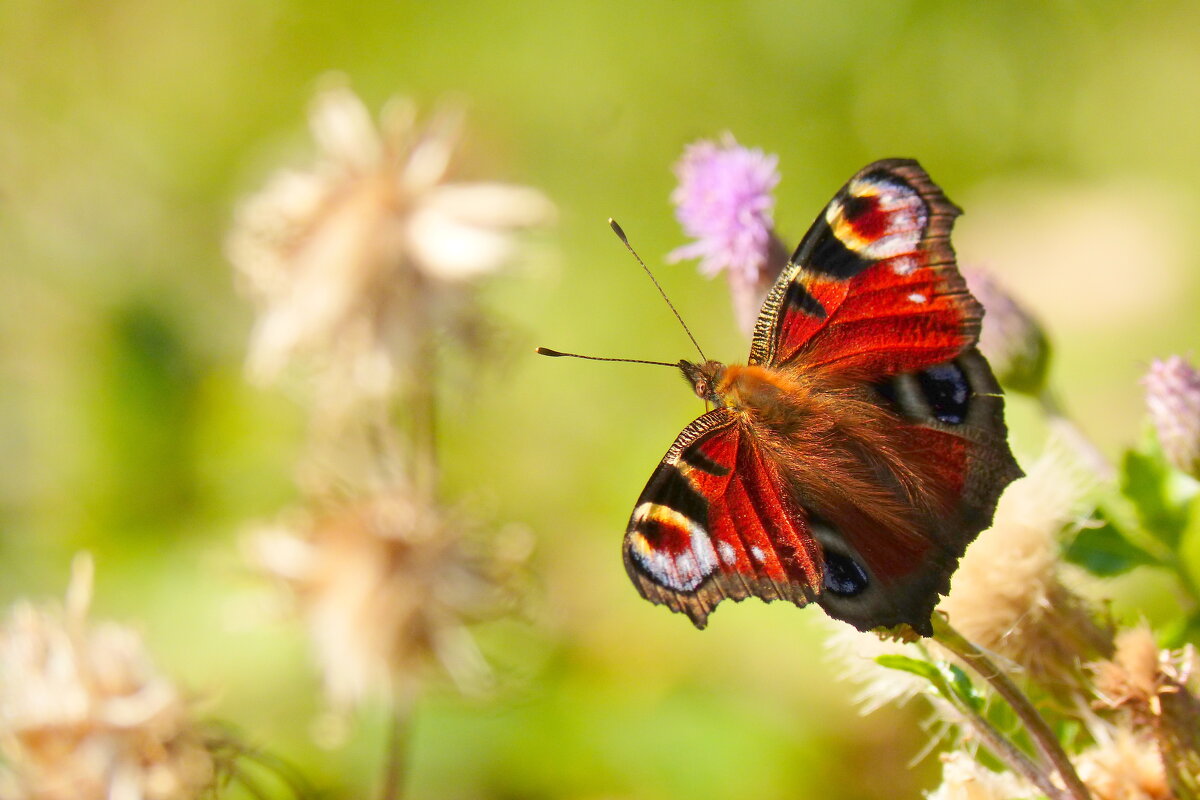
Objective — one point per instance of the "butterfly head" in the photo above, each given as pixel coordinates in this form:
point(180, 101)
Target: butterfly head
point(704, 378)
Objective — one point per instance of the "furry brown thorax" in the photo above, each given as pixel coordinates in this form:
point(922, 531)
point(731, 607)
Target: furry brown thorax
point(776, 398)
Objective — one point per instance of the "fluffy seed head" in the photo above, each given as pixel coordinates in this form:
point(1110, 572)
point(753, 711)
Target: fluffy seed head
point(346, 257)
point(854, 653)
point(964, 778)
point(1133, 674)
point(1008, 595)
point(84, 713)
point(387, 586)
point(1126, 767)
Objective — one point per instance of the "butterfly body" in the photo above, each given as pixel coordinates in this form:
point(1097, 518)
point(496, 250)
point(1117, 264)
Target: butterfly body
point(860, 449)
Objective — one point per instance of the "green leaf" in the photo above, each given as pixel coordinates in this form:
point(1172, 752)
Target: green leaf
point(1105, 552)
point(1145, 480)
point(916, 666)
point(1071, 734)
point(1181, 631)
point(961, 684)
point(949, 680)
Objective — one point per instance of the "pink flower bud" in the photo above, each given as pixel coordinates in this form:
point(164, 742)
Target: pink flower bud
point(1173, 397)
point(1011, 338)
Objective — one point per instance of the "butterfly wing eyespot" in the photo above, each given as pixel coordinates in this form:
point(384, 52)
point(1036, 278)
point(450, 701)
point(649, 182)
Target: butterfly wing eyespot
point(844, 577)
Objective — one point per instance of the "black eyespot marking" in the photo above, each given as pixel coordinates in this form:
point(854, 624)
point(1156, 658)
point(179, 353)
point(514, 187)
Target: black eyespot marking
point(947, 392)
point(668, 487)
point(855, 206)
point(799, 297)
point(693, 457)
point(843, 575)
point(828, 255)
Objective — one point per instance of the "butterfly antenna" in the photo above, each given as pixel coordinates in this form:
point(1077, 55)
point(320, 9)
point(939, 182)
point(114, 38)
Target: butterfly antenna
point(612, 223)
point(546, 351)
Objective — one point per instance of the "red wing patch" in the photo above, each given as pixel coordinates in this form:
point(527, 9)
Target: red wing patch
point(873, 289)
point(949, 456)
point(715, 522)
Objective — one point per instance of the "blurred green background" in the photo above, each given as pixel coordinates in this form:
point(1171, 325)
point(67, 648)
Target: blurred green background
point(129, 128)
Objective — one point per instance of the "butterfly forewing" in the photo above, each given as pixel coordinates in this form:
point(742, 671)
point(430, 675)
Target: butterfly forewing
point(714, 522)
point(872, 289)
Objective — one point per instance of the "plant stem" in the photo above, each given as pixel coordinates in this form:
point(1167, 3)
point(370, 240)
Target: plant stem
point(1010, 754)
point(396, 762)
point(418, 402)
point(421, 400)
point(291, 777)
point(1043, 738)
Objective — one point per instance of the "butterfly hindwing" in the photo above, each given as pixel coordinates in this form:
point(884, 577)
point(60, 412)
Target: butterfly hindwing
point(714, 522)
point(951, 438)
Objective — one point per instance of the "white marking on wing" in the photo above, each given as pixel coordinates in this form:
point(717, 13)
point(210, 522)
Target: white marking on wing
point(682, 571)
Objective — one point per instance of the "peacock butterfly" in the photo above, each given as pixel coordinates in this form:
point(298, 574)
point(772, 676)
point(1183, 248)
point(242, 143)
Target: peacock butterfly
point(862, 446)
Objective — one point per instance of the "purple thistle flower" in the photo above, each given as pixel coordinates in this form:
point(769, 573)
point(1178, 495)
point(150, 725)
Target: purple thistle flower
point(1011, 337)
point(724, 202)
point(1173, 397)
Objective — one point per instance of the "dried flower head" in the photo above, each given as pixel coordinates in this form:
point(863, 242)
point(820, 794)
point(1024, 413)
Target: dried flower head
point(964, 778)
point(1011, 337)
point(387, 587)
point(85, 714)
point(1133, 673)
point(1124, 767)
point(724, 202)
point(344, 258)
point(1008, 596)
point(1151, 686)
point(1173, 397)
